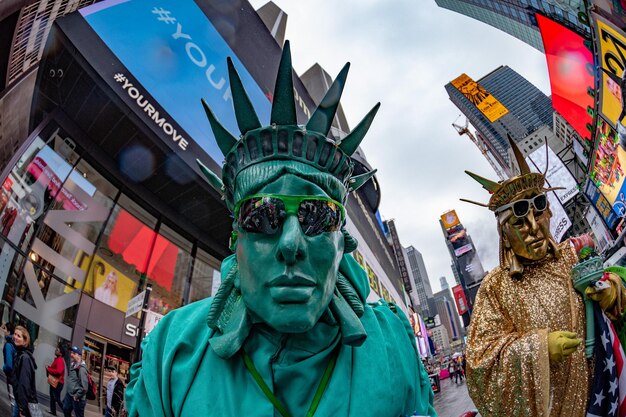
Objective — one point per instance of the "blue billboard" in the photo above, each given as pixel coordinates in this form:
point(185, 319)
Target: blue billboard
point(177, 55)
point(601, 204)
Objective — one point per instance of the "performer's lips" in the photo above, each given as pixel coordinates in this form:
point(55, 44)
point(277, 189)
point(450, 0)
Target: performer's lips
point(291, 289)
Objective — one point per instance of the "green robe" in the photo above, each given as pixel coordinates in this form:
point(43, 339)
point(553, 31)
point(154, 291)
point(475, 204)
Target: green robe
point(181, 376)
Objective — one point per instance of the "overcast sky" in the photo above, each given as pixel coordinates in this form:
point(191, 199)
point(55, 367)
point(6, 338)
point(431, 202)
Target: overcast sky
point(403, 52)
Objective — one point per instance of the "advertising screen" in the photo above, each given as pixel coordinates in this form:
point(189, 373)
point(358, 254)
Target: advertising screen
point(611, 46)
point(450, 219)
point(471, 268)
point(613, 11)
point(556, 176)
point(461, 300)
point(570, 65)
point(601, 204)
point(608, 164)
point(481, 98)
point(179, 57)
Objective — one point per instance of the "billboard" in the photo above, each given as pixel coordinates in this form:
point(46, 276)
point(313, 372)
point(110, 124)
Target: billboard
point(459, 241)
point(481, 98)
point(601, 204)
point(613, 11)
point(556, 176)
point(611, 46)
point(179, 57)
point(471, 268)
point(450, 219)
point(571, 70)
point(461, 301)
point(608, 164)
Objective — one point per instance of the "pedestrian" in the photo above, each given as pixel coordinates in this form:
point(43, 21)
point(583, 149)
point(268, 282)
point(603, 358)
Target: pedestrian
point(77, 385)
point(457, 371)
point(115, 394)
point(8, 353)
point(24, 375)
point(56, 379)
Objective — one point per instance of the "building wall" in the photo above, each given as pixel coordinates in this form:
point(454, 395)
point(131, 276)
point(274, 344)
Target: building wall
point(421, 280)
point(441, 339)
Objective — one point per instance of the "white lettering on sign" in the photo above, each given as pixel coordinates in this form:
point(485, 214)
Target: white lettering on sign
point(131, 330)
point(143, 103)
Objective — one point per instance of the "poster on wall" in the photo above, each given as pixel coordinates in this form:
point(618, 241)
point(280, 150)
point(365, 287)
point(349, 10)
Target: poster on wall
point(108, 284)
point(480, 97)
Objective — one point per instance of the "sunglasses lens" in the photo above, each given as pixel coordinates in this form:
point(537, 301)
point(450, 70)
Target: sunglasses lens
point(520, 208)
point(319, 216)
point(262, 215)
point(541, 202)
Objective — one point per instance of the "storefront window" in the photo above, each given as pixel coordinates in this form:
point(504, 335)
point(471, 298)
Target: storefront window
point(116, 270)
point(168, 270)
point(205, 276)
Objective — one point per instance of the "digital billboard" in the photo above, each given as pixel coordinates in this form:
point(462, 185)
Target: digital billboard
point(471, 268)
point(570, 66)
point(608, 165)
point(611, 46)
point(450, 219)
point(613, 11)
point(179, 57)
point(481, 98)
point(601, 204)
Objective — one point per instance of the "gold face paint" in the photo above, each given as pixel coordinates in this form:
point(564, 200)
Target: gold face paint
point(528, 236)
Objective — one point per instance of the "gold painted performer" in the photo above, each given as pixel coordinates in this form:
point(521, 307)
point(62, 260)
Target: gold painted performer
point(524, 353)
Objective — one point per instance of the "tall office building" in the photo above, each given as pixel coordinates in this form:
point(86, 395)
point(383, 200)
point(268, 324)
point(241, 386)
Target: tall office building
point(446, 309)
point(420, 278)
point(517, 17)
point(524, 109)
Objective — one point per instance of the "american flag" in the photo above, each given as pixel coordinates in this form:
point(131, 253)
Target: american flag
point(609, 379)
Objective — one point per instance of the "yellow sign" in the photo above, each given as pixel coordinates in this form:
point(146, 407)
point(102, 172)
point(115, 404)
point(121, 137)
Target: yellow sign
point(612, 49)
point(450, 219)
point(477, 95)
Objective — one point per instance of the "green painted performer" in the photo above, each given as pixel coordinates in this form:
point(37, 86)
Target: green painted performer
point(288, 333)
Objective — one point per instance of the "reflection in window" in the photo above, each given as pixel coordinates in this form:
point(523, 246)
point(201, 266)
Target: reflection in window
point(204, 268)
point(168, 270)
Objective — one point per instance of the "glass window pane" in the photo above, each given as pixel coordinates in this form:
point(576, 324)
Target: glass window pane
point(115, 272)
point(205, 267)
point(168, 270)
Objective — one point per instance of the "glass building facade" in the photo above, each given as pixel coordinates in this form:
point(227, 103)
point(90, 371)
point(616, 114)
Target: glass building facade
point(76, 247)
point(517, 17)
point(529, 109)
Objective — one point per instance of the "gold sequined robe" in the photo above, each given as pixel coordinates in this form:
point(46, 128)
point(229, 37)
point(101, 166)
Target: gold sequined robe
point(509, 371)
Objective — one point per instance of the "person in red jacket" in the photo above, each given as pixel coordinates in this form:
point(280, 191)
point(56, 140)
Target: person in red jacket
point(57, 370)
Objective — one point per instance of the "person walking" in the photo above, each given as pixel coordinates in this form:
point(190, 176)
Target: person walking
point(8, 353)
point(77, 385)
point(115, 393)
point(56, 375)
point(457, 371)
point(24, 375)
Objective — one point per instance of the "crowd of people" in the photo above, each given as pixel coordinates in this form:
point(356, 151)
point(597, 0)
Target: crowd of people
point(73, 378)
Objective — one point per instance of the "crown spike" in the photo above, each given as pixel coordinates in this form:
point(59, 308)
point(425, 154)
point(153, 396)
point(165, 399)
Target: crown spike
point(521, 162)
point(225, 140)
point(488, 185)
point(358, 181)
point(323, 116)
point(214, 180)
point(284, 105)
point(247, 118)
point(354, 138)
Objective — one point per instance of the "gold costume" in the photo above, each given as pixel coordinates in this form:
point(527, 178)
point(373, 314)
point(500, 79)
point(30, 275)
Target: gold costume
point(509, 371)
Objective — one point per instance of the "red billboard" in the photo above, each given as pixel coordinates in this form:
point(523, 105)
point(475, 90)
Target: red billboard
point(461, 301)
point(570, 66)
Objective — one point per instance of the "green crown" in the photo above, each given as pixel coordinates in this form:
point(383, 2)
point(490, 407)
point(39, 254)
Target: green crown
point(284, 139)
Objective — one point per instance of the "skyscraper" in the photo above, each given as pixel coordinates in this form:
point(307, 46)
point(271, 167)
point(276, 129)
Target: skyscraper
point(526, 109)
point(422, 283)
point(446, 309)
point(517, 17)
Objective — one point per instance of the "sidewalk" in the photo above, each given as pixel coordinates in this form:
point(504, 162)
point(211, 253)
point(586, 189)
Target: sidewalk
point(5, 406)
point(453, 400)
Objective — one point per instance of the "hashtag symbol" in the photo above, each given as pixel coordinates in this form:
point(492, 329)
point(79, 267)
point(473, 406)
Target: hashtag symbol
point(164, 15)
point(119, 77)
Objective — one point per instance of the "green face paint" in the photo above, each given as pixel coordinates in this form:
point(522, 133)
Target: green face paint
point(287, 278)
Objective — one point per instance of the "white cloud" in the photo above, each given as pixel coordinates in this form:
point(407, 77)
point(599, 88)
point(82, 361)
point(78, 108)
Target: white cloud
point(403, 52)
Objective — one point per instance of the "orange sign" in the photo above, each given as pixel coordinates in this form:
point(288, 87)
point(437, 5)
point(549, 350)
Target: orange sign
point(481, 98)
point(450, 219)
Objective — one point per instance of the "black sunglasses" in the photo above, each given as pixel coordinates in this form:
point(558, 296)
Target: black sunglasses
point(266, 213)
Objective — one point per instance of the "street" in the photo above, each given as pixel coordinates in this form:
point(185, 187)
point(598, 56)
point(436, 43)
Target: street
point(453, 399)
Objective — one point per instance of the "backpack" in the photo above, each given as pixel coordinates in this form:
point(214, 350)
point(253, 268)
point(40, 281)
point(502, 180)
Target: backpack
point(92, 389)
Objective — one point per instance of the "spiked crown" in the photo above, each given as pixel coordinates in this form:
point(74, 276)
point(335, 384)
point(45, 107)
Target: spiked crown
point(284, 139)
point(503, 192)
